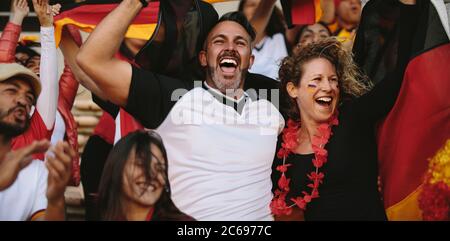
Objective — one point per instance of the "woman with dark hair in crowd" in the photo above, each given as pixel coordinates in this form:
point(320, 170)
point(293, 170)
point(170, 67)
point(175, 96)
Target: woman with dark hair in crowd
point(26, 56)
point(134, 185)
point(311, 33)
point(270, 45)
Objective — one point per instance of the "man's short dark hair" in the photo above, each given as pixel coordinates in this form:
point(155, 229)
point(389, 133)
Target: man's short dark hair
point(239, 18)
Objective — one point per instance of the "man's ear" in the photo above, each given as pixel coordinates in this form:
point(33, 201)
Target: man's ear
point(202, 58)
point(292, 90)
point(252, 59)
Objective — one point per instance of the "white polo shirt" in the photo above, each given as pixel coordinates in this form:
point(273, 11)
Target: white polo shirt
point(220, 159)
point(27, 195)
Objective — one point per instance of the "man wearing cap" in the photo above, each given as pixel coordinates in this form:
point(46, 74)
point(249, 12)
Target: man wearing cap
point(43, 116)
point(30, 189)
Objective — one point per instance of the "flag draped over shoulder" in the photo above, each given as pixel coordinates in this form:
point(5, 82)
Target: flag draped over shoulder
point(419, 123)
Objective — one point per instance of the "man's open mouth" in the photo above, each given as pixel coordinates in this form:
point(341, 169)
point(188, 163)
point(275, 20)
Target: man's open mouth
point(354, 9)
point(228, 64)
point(20, 114)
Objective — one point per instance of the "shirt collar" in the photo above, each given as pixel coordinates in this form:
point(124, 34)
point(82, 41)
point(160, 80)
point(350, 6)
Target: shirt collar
point(237, 105)
point(221, 95)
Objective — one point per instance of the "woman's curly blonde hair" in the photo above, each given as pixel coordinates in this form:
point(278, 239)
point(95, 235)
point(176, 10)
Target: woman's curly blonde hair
point(352, 82)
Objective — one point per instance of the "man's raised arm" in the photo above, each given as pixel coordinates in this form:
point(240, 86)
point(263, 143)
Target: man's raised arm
point(96, 56)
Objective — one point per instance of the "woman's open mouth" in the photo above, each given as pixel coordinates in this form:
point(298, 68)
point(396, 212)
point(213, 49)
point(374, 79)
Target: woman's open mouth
point(324, 101)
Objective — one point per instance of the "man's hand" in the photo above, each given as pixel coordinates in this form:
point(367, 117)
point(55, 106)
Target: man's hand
point(55, 9)
point(44, 12)
point(59, 168)
point(19, 10)
point(15, 161)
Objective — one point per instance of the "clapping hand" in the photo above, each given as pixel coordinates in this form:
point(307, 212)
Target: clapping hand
point(59, 167)
point(14, 161)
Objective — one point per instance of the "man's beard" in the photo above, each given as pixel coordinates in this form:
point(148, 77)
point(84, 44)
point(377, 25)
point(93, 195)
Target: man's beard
point(227, 87)
point(12, 130)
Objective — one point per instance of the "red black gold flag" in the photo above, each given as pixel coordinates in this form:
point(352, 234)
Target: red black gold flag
point(88, 14)
point(419, 123)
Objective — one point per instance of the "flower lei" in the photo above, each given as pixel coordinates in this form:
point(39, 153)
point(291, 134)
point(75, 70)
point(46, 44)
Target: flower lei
point(290, 142)
point(150, 214)
point(434, 200)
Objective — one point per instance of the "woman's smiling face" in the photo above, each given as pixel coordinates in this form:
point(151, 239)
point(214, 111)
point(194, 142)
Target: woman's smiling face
point(317, 92)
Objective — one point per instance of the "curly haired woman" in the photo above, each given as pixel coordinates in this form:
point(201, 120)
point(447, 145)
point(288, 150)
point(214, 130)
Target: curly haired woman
point(326, 166)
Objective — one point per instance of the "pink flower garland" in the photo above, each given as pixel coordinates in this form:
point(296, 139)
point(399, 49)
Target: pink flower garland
point(290, 142)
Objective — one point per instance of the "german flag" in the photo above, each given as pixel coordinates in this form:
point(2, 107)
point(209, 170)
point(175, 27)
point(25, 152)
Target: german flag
point(86, 15)
point(419, 123)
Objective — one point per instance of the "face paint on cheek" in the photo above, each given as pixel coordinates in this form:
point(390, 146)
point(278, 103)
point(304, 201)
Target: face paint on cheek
point(311, 88)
